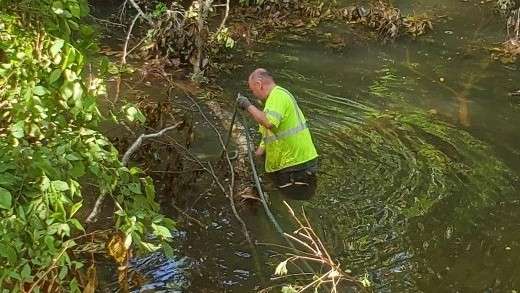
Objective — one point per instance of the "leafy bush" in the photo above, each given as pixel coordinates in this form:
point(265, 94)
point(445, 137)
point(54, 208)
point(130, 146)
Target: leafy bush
point(50, 148)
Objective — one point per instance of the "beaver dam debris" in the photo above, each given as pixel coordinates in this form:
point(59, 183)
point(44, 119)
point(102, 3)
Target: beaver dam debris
point(387, 20)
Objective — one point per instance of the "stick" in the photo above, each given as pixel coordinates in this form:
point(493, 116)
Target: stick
point(97, 206)
point(140, 139)
point(231, 169)
point(225, 16)
point(140, 12)
point(123, 61)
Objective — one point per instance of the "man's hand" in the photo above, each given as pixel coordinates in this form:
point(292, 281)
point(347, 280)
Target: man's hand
point(260, 151)
point(243, 102)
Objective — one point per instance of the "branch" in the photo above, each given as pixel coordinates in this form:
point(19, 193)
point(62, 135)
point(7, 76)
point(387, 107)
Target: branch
point(225, 16)
point(231, 169)
point(140, 12)
point(140, 139)
point(97, 206)
point(123, 61)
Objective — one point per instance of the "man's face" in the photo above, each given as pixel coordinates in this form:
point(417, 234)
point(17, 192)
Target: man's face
point(256, 88)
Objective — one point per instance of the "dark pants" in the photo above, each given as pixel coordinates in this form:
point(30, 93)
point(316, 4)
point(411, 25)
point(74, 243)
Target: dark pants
point(297, 182)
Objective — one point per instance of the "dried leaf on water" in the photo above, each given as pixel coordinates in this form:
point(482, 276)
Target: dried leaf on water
point(116, 249)
point(91, 280)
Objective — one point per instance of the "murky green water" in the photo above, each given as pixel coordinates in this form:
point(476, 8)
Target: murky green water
point(420, 157)
point(419, 148)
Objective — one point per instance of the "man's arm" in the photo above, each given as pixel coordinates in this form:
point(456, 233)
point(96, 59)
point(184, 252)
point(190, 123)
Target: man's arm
point(259, 116)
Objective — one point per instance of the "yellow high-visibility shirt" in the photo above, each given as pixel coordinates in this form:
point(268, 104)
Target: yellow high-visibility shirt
point(289, 142)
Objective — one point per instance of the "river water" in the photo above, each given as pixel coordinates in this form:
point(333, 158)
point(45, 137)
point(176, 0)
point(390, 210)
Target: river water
point(420, 156)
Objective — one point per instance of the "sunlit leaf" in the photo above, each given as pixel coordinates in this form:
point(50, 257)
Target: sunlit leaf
point(17, 129)
point(161, 231)
point(60, 185)
point(39, 90)
point(5, 199)
point(281, 269)
point(56, 46)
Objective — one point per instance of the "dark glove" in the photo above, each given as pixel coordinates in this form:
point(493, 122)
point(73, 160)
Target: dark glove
point(243, 102)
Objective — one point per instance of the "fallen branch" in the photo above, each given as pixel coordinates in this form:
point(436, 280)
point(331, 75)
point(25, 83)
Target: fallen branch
point(126, 157)
point(142, 137)
point(315, 252)
point(123, 61)
point(231, 169)
point(141, 13)
point(221, 26)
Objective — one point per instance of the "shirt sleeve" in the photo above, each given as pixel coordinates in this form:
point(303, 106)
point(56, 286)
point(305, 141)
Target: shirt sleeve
point(275, 110)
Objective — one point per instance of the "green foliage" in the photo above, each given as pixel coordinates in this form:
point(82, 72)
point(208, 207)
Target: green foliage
point(50, 148)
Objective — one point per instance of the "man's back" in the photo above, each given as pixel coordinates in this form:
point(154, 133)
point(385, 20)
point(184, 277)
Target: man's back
point(289, 142)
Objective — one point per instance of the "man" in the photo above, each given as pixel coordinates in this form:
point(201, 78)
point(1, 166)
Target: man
point(290, 155)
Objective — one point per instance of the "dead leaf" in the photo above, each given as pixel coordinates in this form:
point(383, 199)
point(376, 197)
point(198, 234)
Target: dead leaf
point(116, 249)
point(91, 280)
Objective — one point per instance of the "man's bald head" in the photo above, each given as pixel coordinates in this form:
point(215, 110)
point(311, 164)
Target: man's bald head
point(261, 83)
point(261, 75)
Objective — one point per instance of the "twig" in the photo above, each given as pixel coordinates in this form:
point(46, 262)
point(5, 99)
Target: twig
point(231, 169)
point(50, 268)
point(108, 22)
point(140, 12)
point(97, 206)
point(140, 139)
point(190, 217)
point(123, 61)
point(221, 26)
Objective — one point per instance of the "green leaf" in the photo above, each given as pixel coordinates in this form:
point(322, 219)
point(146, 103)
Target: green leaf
point(5, 198)
point(74, 9)
point(135, 188)
point(85, 10)
point(281, 269)
point(60, 185)
point(45, 184)
point(39, 90)
point(63, 272)
point(289, 289)
point(57, 46)
point(57, 7)
point(149, 246)
point(49, 241)
point(67, 90)
point(55, 75)
point(77, 224)
point(169, 223)
point(72, 157)
point(8, 252)
point(78, 169)
point(168, 250)
point(74, 208)
point(74, 286)
point(161, 231)
point(133, 114)
point(77, 91)
point(149, 189)
point(26, 272)
point(17, 129)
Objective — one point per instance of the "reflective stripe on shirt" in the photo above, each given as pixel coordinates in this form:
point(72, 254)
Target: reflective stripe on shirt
point(275, 114)
point(284, 134)
point(291, 131)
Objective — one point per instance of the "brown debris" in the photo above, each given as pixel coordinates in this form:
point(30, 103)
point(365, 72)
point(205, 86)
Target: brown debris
point(387, 20)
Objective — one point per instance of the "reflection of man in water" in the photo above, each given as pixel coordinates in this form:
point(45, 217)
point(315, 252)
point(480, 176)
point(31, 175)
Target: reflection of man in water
point(290, 155)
